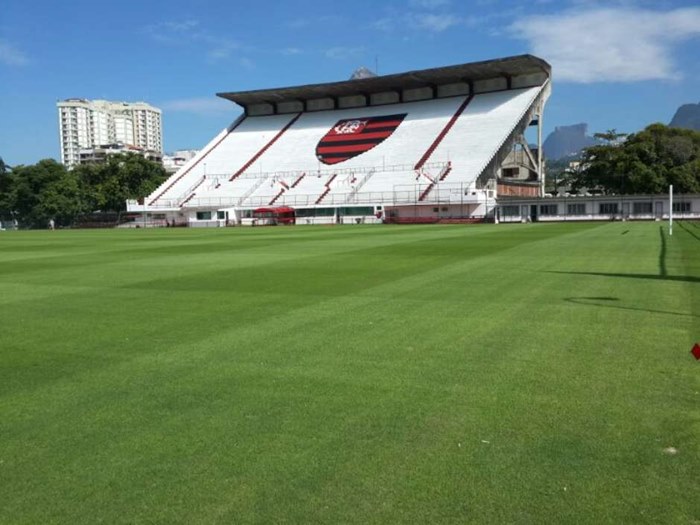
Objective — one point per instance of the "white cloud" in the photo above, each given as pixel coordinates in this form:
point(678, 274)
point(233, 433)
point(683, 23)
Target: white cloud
point(205, 106)
point(246, 63)
point(610, 44)
point(314, 21)
point(180, 26)
point(11, 56)
point(289, 51)
point(429, 4)
point(435, 23)
point(214, 47)
point(431, 22)
point(222, 48)
point(341, 52)
point(386, 24)
point(220, 53)
point(170, 31)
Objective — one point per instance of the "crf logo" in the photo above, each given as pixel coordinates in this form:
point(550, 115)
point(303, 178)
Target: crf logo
point(349, 127)
point(349, 138)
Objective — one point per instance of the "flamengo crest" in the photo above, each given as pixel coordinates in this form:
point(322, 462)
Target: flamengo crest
point(351, 137)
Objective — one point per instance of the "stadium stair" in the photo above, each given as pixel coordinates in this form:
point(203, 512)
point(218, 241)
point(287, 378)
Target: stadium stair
point(327, 190)
point(426, 191)
point(443, 133)
point(445, 172)
point(359, 185)
point(190, 193)
point(274, 199)
point(251, 190)
point(265, 147)
point(202, 157)
point(441, 176)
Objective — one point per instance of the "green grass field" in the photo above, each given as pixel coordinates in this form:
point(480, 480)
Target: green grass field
point(487, 374)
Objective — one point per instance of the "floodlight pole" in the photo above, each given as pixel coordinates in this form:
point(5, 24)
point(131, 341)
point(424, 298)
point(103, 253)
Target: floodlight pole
point(670, 210)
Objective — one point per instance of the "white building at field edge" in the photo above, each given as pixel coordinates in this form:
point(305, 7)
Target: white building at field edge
point(85, 124)
point(175, 161)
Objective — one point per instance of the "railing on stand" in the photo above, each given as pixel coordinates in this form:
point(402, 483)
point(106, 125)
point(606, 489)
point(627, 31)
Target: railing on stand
point(187, 196)
point(252, 190)
point(359, 185)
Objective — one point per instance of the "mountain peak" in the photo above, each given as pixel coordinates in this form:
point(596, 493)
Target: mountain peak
point(567, 141)
point(362, 72)
point(687, 116)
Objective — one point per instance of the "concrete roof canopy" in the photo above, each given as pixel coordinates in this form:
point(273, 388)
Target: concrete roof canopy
point(504, 67)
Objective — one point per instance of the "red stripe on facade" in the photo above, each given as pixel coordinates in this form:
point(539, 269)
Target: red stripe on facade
point(266, 147)
point(344, 149)
point(198, 161)
point(359, 136)
point(443, 133)
point(335, 160)
point(383, 124)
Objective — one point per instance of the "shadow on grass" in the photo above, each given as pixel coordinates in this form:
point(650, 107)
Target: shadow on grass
point(663, 272)
point(598, 301)
point(652, 276)
point(662, 254)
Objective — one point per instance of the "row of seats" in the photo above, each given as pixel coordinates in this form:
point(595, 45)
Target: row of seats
point(278, 156)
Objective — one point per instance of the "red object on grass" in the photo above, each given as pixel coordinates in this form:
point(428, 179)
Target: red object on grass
point(696, 351)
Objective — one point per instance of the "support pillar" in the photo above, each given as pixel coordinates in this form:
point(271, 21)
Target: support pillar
point(540, 167)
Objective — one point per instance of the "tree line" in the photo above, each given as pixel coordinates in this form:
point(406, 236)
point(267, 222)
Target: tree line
point(646, 162)
point(34, 194)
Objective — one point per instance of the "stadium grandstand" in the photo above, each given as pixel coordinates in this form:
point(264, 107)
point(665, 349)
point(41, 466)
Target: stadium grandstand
point(421, 146)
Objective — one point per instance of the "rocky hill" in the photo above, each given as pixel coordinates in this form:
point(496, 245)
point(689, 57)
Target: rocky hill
point(567, 141)
point(687, 116)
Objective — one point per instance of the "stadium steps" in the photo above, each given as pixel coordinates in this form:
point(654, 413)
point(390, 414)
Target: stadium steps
point(191, 192)
point(251, 190)
point(426, 191)
point(359, 185)
point(267, 146)
point(445, 172)
point(444, 132)
point(198, 160)
point(274, 199)
point(327, 190)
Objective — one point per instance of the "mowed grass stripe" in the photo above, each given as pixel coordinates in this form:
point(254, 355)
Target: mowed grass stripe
point(371, 402)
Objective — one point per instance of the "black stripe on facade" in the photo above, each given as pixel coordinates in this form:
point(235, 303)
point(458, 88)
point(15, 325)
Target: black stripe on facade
point(344, 154)
point(329, 144)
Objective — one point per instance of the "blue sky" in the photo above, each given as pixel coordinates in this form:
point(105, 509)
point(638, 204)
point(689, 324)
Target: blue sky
point(616, 64)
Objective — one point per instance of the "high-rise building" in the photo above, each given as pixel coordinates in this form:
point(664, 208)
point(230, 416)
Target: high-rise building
point(87, 124)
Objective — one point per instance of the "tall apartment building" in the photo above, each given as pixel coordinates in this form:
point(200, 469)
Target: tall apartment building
point(87, 124)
